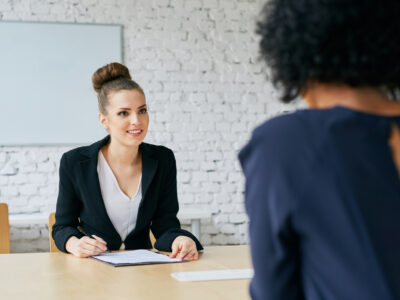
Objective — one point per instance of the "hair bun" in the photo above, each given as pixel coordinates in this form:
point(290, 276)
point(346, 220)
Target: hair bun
point(108, 73)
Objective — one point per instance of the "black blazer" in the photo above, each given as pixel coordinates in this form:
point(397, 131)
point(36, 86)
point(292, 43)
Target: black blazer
point(80, 201)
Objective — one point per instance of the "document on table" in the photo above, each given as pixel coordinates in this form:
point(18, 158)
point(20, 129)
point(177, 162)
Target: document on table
point(135, 257)
point(214, 275)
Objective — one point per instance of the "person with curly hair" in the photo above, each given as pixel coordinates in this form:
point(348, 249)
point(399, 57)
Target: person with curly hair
point(113, 192)
point(322, 183)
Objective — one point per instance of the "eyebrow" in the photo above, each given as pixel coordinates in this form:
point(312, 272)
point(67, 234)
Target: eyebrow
point(127, 108)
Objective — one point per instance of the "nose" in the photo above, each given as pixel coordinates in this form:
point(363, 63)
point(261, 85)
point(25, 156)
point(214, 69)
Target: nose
point(134, 119)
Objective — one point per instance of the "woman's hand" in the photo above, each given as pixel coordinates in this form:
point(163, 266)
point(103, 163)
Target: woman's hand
point(85, 246)
point(184, 247)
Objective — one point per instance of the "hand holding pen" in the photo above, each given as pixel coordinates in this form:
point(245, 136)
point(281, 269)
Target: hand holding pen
point(86, 246)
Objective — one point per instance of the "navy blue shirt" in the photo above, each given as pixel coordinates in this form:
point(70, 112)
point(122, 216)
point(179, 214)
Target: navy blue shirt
point(323, 199)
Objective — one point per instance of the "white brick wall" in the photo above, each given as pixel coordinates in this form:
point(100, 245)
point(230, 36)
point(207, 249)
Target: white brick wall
point(197, 62)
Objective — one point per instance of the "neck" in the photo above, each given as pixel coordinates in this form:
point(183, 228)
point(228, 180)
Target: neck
point(121, 155)
point(365, 99)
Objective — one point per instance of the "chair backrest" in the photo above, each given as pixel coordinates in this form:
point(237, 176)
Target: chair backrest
point(152, 239)
point(4, 229)
point(52, 220)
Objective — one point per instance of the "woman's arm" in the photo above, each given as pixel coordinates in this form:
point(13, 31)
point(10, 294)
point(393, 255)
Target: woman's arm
point(67, 209)
point(65, 233)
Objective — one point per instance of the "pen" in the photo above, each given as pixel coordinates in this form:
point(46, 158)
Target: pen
point(83, 231)
point(80, 229)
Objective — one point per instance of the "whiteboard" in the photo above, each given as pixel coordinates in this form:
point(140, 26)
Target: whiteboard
point(46, 94)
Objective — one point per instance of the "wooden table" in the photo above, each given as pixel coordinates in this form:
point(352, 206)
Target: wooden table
point(62, 276)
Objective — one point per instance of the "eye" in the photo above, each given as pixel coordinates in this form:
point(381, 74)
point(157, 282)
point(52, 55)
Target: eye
point(143, 111)
point(123, 113)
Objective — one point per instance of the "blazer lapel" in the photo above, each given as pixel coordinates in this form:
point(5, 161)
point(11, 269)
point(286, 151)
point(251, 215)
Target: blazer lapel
point(149, 168)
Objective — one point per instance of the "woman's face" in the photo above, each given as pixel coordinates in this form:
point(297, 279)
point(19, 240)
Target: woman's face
point(126, 119)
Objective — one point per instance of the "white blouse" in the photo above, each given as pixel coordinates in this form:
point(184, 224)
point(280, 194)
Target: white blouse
point(121, 210)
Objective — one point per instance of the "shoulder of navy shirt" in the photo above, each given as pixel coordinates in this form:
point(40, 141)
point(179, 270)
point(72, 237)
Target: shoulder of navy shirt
point(323, 199)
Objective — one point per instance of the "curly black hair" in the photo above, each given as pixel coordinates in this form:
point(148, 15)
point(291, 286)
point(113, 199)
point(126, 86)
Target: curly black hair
point(352, 42)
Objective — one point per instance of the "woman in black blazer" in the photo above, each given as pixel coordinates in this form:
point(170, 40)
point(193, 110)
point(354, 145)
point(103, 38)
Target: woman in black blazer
point(83, 226)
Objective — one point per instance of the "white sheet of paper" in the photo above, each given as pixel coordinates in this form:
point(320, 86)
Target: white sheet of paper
point(135, 257)
point(214, 275)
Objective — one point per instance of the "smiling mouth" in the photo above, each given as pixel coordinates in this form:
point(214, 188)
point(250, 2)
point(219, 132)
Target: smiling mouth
point(135, 131)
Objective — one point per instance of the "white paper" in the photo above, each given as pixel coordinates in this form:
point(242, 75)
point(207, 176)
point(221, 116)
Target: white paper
point(214, 275)
point(135, 257)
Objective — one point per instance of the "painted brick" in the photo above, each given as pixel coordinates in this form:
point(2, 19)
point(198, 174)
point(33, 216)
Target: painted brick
point(28, 168)
point(28, 189)
point(228, 228)
point(3, 157)
point(18, 179)
point(211, 187)
point(10, 190)
point(19, 201)
point(4, 180)
point(219, 239)
point(48, 190)
point(9, 169)
point(183, 177)
point(228, 209)
point(210, 229)
point(25, 234)
point(221, 219)
point(186, 199)
point(210, 4)
point(203, 198)
point(5, 5)
point(206, 239)
point(237, 218)
point(199, 176)
point(37, 178)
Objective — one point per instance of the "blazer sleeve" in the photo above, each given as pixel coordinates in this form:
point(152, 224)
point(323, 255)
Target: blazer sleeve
point(67, 209)
point(165, 224)
point(268, 201)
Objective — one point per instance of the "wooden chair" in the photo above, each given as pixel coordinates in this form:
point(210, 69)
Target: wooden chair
point(152, 239)
point(52, 220)
point(4, 229)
